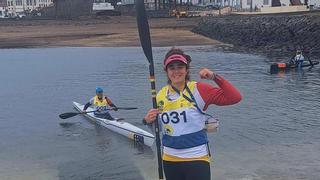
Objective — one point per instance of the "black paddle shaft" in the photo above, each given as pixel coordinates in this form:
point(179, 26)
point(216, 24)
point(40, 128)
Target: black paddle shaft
point(145, 40)
point(71, 114)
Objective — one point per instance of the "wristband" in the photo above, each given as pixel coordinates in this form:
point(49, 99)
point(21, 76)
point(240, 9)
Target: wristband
point(213, 76)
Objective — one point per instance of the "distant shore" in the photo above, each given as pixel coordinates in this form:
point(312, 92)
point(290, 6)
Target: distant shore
point(115, 31)
point(269, 34)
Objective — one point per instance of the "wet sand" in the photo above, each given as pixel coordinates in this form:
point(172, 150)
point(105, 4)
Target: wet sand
point(108, 32)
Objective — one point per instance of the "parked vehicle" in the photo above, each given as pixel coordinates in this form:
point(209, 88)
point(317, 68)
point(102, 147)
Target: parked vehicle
point(21, 16)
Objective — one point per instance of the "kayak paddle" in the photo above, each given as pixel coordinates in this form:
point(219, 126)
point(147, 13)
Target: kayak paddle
point(71, 114)
point(144, 34)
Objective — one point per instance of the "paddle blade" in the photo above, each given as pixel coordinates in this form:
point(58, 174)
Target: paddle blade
point(143, 27)
point(68, 115)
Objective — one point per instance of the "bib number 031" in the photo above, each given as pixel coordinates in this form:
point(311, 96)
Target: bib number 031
point(174, 117)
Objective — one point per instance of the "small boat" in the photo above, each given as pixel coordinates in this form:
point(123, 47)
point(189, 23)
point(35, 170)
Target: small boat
point(277, 67)
point(121, 127)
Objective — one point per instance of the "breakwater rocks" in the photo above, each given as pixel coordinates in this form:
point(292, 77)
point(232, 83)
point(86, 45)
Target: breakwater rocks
point(281, 32)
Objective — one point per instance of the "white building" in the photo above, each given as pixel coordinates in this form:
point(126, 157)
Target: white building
point(15, 7)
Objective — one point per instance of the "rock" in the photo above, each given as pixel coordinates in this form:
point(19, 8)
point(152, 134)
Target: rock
point(281, 31)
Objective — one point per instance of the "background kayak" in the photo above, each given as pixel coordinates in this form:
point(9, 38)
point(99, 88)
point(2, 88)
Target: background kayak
point(276, 67)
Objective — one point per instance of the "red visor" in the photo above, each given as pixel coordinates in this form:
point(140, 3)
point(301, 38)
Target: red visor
point(175, 57)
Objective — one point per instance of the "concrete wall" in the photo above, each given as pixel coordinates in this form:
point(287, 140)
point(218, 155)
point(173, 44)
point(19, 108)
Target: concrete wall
point(262, 3)
point(283, 9)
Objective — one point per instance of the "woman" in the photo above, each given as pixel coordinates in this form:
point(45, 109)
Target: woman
point(100, 103)
point(181, 111)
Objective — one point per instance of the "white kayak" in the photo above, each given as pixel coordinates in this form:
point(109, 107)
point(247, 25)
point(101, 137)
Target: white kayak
point(121, 127)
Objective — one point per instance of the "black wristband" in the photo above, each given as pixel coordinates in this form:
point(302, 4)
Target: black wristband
point(214, 76)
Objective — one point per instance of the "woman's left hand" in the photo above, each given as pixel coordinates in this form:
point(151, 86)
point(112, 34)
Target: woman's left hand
point(206, 74)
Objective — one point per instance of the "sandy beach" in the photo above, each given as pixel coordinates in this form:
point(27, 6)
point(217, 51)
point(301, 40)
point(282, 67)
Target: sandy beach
point(107, 32)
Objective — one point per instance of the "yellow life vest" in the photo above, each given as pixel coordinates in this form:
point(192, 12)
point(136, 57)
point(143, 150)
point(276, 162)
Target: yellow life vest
point(182, 123)
point(100, 105)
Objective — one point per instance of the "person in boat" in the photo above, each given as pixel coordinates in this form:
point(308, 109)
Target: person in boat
point(181, 112)
point(299, 58)
point(100, 103)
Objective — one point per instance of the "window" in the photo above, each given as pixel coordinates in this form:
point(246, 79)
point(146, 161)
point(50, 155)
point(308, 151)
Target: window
point(265, 2)
point(249, 2)
point(19, 2)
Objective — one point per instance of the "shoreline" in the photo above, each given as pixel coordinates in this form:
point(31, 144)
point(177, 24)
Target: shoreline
point(118, 31)
point(226, 32)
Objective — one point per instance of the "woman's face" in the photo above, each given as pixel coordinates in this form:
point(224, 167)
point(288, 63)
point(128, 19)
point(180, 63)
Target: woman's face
point(177, 72)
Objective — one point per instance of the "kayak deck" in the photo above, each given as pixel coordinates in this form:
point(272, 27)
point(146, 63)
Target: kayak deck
point(121, 127)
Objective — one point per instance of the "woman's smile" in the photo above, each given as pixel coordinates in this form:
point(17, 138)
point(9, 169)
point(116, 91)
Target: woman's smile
point(177, 72)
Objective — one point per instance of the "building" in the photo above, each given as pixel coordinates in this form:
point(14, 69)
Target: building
point(12, 8)
point(3, 9)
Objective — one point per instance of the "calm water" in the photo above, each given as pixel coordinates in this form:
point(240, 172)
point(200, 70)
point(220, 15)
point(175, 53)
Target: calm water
point(274, 133)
